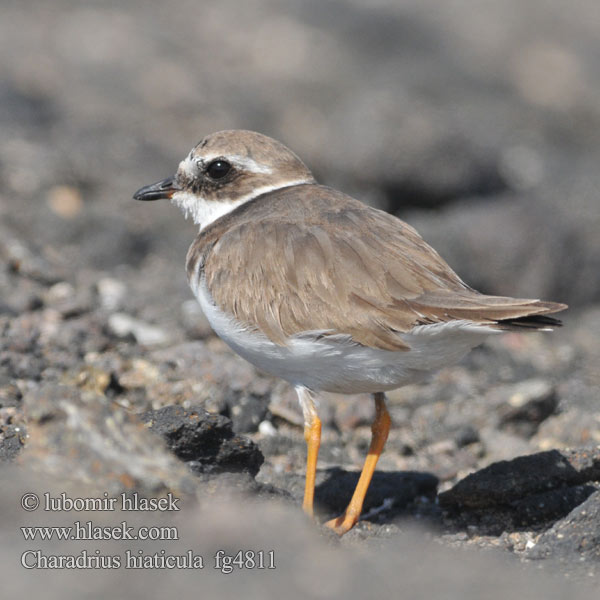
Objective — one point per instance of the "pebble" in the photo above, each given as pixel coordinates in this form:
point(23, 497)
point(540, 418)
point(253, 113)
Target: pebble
point(65, 201)
point(123, 325)
point(111, 293)
point(59, 292)
point(267, 428)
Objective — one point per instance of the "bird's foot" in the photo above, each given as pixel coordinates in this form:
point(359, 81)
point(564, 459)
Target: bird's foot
point(342, 524)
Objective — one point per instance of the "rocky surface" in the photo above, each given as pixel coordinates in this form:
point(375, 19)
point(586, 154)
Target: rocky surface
point(204, 441)
point(480, 127)
point(576, 534)
point(505, 482)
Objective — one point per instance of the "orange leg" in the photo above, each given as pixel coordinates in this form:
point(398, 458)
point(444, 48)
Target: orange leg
point(380, 429)
point(312, 435)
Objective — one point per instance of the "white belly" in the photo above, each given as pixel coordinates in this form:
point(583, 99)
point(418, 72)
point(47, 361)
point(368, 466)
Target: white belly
point(336, 363)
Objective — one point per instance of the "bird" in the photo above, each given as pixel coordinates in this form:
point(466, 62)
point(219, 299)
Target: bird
point(316, 287)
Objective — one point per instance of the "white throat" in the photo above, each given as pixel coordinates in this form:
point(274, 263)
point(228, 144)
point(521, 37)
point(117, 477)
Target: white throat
point(204, 212)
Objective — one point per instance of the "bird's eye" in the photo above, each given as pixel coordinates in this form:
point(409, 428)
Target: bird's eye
point(217, 169)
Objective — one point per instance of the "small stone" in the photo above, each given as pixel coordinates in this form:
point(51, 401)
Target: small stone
point(66, 301)
point(65, 201)
point(443, 447)
point(267, 428)
point(123, 325)
point(90, 378)
point(59, 292)
point(111, 293)
point(140, 374)
point(466, 436)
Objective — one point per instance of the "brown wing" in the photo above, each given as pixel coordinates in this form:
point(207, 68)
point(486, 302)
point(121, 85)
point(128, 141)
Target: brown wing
point(318, 260)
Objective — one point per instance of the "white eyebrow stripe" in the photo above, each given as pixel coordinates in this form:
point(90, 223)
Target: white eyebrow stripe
point(249, 164)
point(243, 162)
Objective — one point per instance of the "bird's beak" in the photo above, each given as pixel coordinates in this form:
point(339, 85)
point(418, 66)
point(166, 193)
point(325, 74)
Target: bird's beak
point(162, 190)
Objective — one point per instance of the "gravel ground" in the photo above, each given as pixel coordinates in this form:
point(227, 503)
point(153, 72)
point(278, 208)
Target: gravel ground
point(478, 125)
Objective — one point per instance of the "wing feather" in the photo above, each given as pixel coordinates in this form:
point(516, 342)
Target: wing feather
point(317, 260)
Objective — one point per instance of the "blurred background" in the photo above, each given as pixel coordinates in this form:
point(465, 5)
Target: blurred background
point(477, 122)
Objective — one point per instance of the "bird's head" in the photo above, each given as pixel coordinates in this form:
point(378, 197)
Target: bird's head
point(225, 170)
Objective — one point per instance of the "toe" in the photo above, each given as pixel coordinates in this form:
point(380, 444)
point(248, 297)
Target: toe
point(341, 524)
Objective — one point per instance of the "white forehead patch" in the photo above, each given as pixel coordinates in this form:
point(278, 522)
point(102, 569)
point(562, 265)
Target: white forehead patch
point(189, 167)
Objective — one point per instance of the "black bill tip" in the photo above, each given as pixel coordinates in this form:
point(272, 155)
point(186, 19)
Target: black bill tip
point(161, 190)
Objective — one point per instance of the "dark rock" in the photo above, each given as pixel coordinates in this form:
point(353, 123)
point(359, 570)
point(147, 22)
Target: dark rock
point(205, 441)
point(11, 442)
point(334, 491)
point(505, 482)
point(465, 436)
point(574, 538)
point(549, 506)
